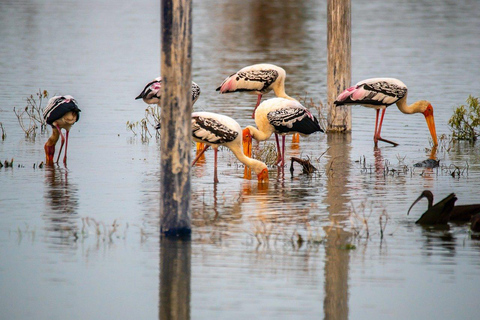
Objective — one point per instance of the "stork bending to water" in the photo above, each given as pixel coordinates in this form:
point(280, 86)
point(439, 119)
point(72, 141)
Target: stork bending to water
point(280, 116)
point(61, 112)
point(216, 130)
point(379, 93)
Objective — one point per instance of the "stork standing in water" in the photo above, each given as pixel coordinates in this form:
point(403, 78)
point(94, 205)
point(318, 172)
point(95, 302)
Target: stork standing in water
point(61, 112)
point(379, 93)
point(280, 116)
point(216, 130)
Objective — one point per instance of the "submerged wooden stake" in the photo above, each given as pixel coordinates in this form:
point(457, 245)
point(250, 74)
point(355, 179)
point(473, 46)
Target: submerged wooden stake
point(176, 105)
point(338, 63)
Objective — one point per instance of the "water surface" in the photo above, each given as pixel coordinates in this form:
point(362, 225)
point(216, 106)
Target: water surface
point(82, 241)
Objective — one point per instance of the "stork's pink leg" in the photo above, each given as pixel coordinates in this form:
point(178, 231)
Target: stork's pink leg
point(279, 154)
point(258, 102)
point(61, 145)
point(283, 151)
point(380, 129)
point(66, 147)
point(375, 140)
point(215, 178)
point(200, 154)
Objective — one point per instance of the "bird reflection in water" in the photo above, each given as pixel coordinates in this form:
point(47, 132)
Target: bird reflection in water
point(62, 202)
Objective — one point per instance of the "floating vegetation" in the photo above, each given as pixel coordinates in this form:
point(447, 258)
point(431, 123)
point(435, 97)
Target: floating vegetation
point(455, 171)
point(465, 121)
point(307, 166)
point(7, 164)
point(40, 165)
point(4, 133)
point(31, 117)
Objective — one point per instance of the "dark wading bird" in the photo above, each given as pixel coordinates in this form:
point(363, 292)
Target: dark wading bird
point(445, 210)
point(379, 93)
point(216, 130)
point(280, 116)
point(61, 112)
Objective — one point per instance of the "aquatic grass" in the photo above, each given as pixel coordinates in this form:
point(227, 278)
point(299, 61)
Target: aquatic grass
point(30, 117)
point(359, 218)
point(319, 107)
point(465, 121)
point(151, 121)
point(144, 131)
point(267, 154)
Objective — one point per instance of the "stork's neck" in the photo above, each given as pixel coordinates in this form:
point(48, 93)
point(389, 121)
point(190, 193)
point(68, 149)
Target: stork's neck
point(53, 138)
point(279, 89)
point(416, 107)
point(256, 165)
point(259, 135)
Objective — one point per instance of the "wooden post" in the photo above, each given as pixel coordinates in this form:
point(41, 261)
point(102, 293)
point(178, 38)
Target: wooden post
point(338, 63)
point(175, 278)
point(176, 106)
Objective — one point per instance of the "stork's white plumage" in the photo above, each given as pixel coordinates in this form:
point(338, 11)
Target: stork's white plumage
point(280, 116)
point(257, 79)
point(61, 112)
point(379, 93)
point(151, 93)
point(216, 130)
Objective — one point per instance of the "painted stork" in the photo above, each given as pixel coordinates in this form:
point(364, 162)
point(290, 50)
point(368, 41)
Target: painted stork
point(216, 130)
point(280, 116)
point(379, 93)
point(61, 112)
point(151, 93)
point(257, 79)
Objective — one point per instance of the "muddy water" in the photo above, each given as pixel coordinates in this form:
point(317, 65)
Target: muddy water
point(82, 241)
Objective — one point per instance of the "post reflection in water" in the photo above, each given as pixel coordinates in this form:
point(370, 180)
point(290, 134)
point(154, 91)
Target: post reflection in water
point(175, 275)
point(337, 260)
point(62, 202)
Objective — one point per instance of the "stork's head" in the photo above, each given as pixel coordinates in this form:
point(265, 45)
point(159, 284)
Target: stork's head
point(263, 175)
point(428, 113)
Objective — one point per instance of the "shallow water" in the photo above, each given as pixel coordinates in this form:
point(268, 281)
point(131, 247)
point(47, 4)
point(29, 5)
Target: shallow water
point(83, 242)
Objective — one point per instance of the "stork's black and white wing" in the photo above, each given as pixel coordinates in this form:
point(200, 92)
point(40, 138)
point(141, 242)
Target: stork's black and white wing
point(58, 106)
point(213, 128)
point(289, 116)
point(195, 92)
point(256, 78)
point(376, 92)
